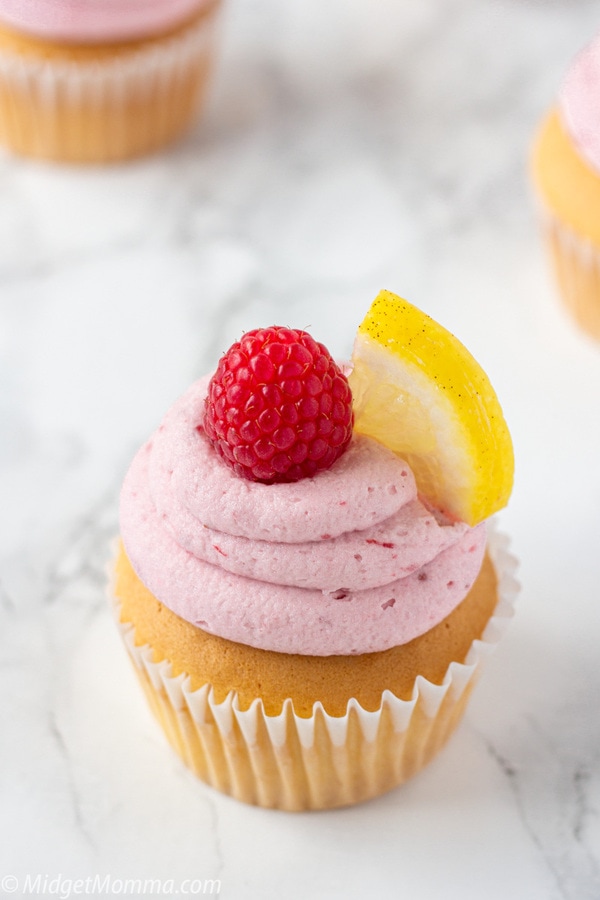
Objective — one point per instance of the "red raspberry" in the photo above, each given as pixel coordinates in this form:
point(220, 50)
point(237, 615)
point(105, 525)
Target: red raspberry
point(278, 407)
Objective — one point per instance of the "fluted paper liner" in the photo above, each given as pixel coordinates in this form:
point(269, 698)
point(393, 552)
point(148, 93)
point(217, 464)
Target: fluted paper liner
point(576, 262)
point(291, 762)
point(110, 108)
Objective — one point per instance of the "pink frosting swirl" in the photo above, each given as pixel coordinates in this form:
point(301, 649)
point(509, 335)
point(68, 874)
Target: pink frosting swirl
point(91, 21)
point(579, 103)
point(348, 562)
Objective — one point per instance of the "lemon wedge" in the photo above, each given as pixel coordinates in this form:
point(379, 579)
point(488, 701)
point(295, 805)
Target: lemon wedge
point(417, 390)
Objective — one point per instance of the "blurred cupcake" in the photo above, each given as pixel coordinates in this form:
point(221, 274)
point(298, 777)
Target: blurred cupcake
point(306, 624)
point(566, 172)
point(104, 80)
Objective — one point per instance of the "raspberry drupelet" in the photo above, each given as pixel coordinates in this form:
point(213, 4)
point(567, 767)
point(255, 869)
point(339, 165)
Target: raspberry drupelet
point(278, 408)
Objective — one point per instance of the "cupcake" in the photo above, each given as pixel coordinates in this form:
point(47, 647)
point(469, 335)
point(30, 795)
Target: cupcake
point(101, 81)
point(306, 607)
point(566, 172)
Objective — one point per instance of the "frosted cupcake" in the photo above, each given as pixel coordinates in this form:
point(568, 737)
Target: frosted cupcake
point(306, 623)
point(566, 171)
point(101, 81)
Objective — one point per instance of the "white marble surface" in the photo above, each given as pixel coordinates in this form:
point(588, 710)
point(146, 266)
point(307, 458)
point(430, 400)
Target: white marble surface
point(348, 146)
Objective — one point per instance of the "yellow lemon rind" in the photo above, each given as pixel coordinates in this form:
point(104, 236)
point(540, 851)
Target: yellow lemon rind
point(460, 448)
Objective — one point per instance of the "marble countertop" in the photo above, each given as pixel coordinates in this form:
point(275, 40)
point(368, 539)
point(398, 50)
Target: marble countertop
point(348, 146)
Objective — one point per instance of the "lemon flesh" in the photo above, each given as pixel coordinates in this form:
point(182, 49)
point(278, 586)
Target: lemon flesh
point(417, 390)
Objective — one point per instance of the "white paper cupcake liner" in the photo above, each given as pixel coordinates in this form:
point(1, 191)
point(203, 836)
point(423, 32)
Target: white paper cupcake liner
point(321, 761)
point(109, 108)
point(576, 262)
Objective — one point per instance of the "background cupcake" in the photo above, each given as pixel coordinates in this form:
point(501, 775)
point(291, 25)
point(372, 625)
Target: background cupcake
point(307, 623)
point(566, 170)
point(101, 81)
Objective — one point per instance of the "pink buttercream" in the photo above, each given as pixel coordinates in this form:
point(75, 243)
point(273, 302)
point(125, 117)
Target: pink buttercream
point(579, 103)
point(353, 561)
point(348, 562)
point(92, 21)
